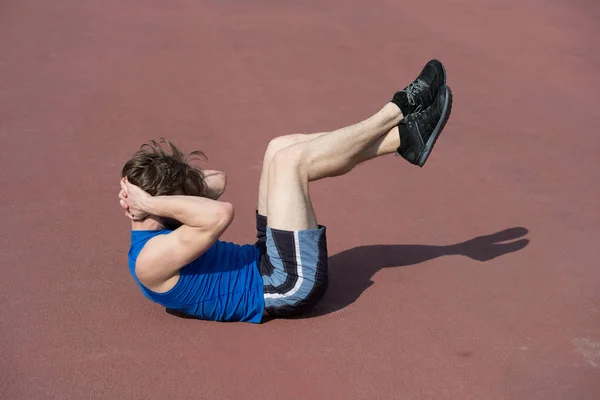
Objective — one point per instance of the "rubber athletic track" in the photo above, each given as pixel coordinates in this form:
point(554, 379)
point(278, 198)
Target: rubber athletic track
point(423, 303)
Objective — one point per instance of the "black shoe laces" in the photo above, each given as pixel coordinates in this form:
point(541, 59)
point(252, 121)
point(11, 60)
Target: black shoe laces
point(414, 88)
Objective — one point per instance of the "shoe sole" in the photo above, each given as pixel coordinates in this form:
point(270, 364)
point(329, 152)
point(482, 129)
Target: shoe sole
point(438, 128)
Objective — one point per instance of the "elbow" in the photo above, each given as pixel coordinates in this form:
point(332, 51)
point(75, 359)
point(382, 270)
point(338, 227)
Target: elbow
point(225, 214)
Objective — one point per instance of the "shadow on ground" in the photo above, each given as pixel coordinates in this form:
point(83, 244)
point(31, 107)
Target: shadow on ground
point(351, 270)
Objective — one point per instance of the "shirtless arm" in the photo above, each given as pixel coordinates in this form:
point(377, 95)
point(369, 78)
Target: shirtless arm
point(204, 221)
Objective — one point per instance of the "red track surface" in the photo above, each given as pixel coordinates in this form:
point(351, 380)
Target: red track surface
point(410, 314)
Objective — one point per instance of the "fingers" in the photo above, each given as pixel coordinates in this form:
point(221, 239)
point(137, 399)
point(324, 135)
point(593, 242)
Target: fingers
point(131, 188)
point(126, 188)
point(133, 216)
point(123, 197)
point(126, 184)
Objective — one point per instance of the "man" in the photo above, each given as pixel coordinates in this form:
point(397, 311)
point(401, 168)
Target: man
point(176, 256)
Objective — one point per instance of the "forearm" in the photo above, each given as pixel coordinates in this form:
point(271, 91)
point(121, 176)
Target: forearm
point(189, 210)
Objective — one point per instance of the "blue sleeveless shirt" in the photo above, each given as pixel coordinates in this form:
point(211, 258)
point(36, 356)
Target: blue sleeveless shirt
point(224, 284)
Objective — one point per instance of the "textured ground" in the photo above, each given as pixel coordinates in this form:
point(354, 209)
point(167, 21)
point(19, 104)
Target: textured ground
point(421, 306)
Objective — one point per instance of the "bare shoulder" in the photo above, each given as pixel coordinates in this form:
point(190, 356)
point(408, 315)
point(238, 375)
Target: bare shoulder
point(163, 256)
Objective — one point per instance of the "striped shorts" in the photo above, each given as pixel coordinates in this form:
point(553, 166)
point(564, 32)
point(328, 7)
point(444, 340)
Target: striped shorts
point(293, 265)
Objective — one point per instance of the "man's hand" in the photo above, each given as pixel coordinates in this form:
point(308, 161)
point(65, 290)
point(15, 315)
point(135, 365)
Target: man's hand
point(216, 182)
point(133, 200)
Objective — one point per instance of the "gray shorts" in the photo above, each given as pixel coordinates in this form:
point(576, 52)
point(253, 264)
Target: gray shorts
point(293, 265)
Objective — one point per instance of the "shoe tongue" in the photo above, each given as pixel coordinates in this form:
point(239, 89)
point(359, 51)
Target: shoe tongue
point(401, 100)
point(401, 97)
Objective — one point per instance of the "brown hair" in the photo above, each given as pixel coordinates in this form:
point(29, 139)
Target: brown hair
point(161, 172)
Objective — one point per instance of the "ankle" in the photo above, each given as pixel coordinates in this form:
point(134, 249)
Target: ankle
point(390, 115)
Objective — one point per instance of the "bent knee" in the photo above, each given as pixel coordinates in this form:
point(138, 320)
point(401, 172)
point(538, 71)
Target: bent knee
point(290, 157)
point(281, 142)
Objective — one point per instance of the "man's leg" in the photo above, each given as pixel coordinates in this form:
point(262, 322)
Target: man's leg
point(383, 145)
point(294, 260)
point(294, 257)
point(336, 153)
point(289, 207)
point(274, 146)
point(418, 95)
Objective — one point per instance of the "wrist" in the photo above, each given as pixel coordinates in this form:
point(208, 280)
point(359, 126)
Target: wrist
point(148, 205)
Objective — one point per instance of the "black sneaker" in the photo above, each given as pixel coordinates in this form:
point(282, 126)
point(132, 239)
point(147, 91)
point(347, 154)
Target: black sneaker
point(421, 93)
point(420, 130)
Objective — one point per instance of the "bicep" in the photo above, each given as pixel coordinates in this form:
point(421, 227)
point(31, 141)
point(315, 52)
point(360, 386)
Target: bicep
point(164, 255)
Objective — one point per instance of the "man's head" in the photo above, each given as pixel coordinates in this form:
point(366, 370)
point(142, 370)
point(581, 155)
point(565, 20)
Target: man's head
point(163, 172)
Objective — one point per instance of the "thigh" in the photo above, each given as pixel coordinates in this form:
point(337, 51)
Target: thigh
point(294, 270)
point(290, 206)
point(274, 146)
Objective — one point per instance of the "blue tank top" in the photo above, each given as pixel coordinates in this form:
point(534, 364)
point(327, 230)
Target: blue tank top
point(224, 284)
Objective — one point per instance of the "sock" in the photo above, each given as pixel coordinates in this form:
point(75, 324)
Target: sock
point(401, 100)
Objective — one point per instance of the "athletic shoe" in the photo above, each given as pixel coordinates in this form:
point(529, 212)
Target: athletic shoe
point(420, 130)
point(421, 93)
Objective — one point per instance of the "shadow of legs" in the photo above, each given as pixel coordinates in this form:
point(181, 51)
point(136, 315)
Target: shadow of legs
point(351, 270)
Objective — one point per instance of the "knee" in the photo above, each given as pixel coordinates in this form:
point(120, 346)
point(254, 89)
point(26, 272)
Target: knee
point(288, 158)
point(280, 143)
